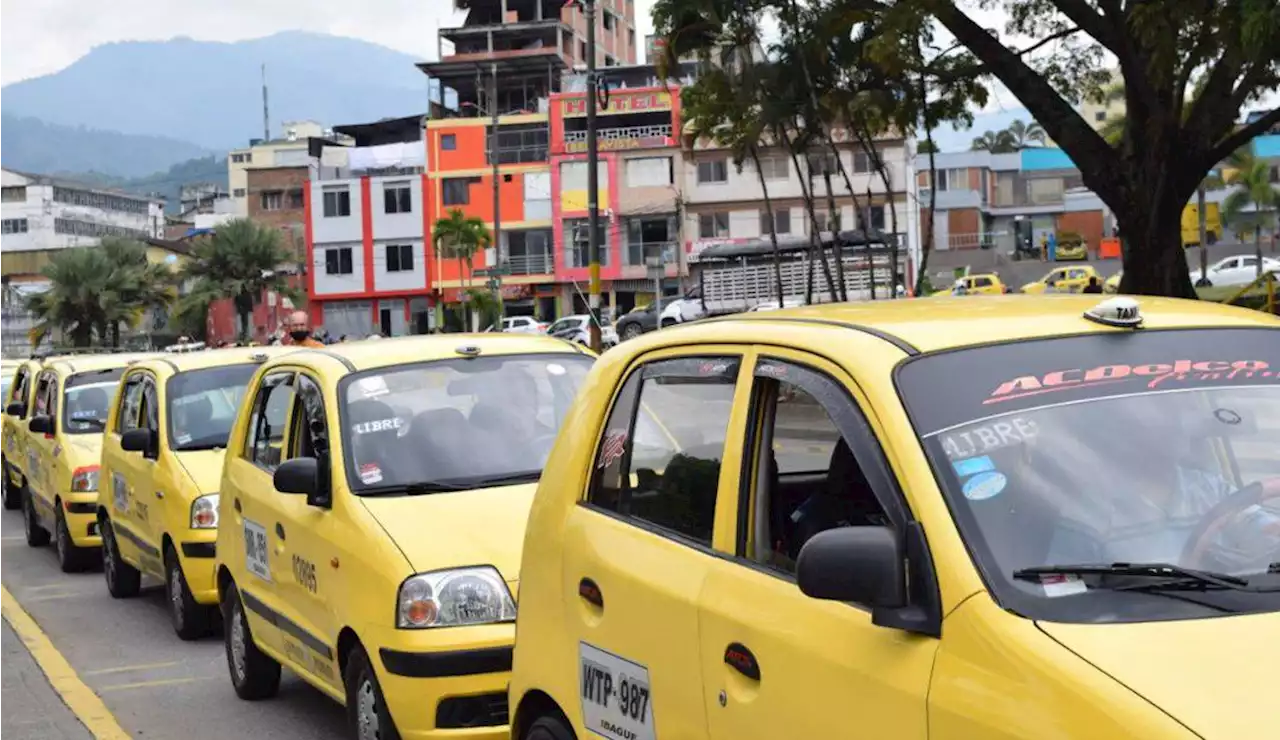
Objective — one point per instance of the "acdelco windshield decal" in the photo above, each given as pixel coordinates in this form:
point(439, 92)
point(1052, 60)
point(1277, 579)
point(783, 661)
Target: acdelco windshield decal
point(1151, 375)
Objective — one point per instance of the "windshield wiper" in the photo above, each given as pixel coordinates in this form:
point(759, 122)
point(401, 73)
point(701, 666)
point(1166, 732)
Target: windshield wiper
point(199, 446)
point(411, 489)
point(527, 476)
point(1170, 576)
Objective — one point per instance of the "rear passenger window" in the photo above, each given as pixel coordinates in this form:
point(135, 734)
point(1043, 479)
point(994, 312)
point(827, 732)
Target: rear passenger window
point(659, 459)
point(130, 402)
point(264, 444)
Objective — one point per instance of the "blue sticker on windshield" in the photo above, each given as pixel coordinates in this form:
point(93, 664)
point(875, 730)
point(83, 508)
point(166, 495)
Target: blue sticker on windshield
point(973, 466)
point(984, 486)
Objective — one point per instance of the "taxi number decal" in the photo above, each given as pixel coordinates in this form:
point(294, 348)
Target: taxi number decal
point(255, 550)
point(304, 572)
point(615, 695)
point(120, 493)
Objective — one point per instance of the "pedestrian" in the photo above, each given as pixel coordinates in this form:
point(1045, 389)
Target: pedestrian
point(299, 327)
point(1053, 246)
point(1094, 286)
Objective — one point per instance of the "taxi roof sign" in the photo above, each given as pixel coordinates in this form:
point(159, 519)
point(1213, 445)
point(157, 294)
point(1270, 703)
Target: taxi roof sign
point(1121, 311)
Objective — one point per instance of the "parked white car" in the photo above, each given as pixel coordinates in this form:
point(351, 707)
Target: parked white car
point(575, 329)
point(523, 325)
point(688, 308)
point(773, 305)
point(1241, 270)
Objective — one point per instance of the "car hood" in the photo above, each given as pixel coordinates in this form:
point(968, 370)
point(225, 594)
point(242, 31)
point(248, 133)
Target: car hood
point(204, 467)
point(1216, 676)
point(446, 530)
point(83, 449)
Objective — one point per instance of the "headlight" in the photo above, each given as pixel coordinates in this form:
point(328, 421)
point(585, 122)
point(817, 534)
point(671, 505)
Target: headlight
point(204, 512)
point(454, 597)
point(85, 480)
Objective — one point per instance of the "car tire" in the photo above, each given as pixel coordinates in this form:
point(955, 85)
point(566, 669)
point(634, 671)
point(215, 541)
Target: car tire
point(12, 493)
point(71, 557)
point(669, 322)
point(37, 536)
point(1212, 238)
point(123, 580)
point(548, 727)
point(367, 713)
point(254, 674)
point(630, 331)
point(191, 620)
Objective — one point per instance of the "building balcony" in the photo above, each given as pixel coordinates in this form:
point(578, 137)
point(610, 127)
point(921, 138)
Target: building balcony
point(614, 139)
point(531, 264)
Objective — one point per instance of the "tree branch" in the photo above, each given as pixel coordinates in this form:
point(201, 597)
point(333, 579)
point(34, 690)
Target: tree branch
point(1241, 136)
point(1049, 39)
point(1088, 20)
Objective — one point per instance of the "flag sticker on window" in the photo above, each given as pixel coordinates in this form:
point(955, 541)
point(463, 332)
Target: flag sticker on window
point(973, 466)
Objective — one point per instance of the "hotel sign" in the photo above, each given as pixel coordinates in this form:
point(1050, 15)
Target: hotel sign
point(619, 102)
point(607, 145)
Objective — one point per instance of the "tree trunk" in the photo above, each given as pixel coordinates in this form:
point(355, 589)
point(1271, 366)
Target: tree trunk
point(815, 237)
point(864, 136)
point(1204, 236)
point(115, 334)
point(1155, 262)
point(833, 221)
point(922, 274)
point(1257, 243)
point(773, 231)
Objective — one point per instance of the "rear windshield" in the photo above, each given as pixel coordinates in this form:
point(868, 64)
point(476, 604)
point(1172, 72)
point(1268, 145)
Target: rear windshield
point(462, 423)
point(203, 404)
point(1145, 447)
point(87, 400)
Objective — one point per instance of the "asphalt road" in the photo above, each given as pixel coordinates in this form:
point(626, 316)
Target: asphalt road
point(125, 650)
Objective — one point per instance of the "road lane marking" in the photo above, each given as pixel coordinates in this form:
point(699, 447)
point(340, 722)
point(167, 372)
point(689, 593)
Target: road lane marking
point(79, 698)
point(127, 668)
point(43, 587)
point(55, 597)
point(150, 684)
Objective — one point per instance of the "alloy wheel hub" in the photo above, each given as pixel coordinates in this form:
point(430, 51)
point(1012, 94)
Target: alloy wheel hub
point(237, 644)
point(367, 712)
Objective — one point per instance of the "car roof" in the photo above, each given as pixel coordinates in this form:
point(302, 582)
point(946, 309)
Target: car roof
point(85, 363)
point(947, 323)
point(180, 362)
point(366, 354)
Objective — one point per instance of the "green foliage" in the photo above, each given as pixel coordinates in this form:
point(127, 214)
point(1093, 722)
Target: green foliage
point(458, 237)
point(1253, 201)
point(241, 260)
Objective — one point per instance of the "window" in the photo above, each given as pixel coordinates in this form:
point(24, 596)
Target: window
point(14, 194)
point(648, 172)
point(606, 20)
point(396, 198)
point(582, 51)
point(448, 142)
point(713, 225)
point(399, 258)
point(15, 226)
point(822, 220)
point(781, 221)
point(712, 171)
point(310, 434)
point(264, 444)
point(810, 480)
point(238, 193)
point(1100, 116)
point(862, 162)
point(94, 229)
point(295, 198)
point(337, 261)
point(576, 236)
point(337, 202)
point(272, 200)
point(87, 398)
point(456, 191)
point(242, 157)
point(775, 167)
point(130, 402)
point(658, 464)
point(821, 162)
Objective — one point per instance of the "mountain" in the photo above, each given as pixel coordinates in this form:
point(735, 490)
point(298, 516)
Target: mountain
point(32, 145)
point(210, 93)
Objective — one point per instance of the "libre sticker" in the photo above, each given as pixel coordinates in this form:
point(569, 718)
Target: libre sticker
point(973, 466)
point(370, 473)
point(555, 369)
point(1056, 585)
point(380, 425)
point(182, 439)
point(374, 386)
point(984, 486)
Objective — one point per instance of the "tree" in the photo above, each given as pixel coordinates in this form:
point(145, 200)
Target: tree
point(242, 260)
point(926, 147)
point(459, 237)
point(135, 287)
point(1171, 138)
point(1022, 134)
point(1253, 200)
point(996, 142)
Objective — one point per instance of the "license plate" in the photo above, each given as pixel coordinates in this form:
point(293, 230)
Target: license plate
point(255, 550)
point(616, 702)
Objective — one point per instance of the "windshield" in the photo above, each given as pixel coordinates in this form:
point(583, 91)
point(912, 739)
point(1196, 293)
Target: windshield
point(87, 399)
point(463, 422)
point(202, 405)
point(564, 324)
point(1100, 450)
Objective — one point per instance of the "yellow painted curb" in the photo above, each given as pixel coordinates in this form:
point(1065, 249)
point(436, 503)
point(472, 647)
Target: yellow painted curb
point(79, 698)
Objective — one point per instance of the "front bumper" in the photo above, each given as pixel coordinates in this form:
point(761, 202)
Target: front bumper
point(197, 550)
point(81, 513)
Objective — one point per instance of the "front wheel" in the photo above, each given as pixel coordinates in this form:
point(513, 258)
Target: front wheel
point(37, 536)
point(71, 558)
point(367, 712)
point(12, 493)
point(190, 619)
point(254, 674)
point(631, 331)
point(123, 580)
point(548, 728)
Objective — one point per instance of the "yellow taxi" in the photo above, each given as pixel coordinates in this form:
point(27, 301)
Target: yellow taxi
point(1063, 280)
point(1015, 518)
point(8, 373)
point(1070, 246)
point(372, 511)
point(978, 284)
point(1112, 284)
point(162, 453)
point(19, 396)
point(63, 447)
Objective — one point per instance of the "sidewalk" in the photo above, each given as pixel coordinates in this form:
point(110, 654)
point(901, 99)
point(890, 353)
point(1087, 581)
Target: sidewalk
point(32, 709)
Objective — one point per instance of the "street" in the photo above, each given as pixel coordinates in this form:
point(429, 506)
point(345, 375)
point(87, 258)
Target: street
point(125, 651)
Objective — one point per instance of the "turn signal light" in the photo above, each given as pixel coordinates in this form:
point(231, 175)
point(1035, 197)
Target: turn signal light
point(85, 480)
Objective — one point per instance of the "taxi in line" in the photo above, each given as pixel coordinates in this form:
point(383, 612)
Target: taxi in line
point(371, 513)
point(162, 453)
point(1024, 517)
point(19, 396)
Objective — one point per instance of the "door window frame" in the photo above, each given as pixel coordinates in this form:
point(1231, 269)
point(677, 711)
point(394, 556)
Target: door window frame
point(131, 379)
point(20, 390)
point(308, 397)
point(273, 378)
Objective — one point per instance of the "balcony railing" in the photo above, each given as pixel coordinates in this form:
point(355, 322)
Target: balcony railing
point(636, 252)
point(531, 264)
point(627, 137)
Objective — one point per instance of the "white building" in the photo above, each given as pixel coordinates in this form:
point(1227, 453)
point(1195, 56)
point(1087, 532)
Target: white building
point(42, 214)
point(290, 150)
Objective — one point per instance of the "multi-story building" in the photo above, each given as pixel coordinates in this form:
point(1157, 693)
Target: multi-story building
point(42, 215)
point(292, 149)
point(276, 198)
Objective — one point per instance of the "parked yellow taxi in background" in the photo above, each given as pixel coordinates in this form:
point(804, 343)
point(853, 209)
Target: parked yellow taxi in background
point(372, 511)
point(162, 454)
point(19, 398)
point(1070, 246)
point(1112, 284)
point(63, 446)
point(876, 521)
point(1063, 279)
point(983, 284)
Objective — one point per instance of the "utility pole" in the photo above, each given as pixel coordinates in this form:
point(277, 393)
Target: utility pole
point(497, 190)
point(593, 186)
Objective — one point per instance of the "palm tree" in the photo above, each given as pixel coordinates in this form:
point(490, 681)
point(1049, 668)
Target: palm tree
point(459, 237)
point(135, 287)
point(996, 142)
point(1022, 134)
point(1251, 189)
point(926, 147)
point(241, 260)
point(75, 300)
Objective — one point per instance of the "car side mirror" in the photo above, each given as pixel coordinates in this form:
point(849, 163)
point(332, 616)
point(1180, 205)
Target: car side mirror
point(302, 475)
point(141, 440)
point(41, 425)
point(17, 408)
point(864, 565)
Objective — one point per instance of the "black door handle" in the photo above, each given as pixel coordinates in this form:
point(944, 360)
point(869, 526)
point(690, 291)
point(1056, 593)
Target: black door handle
point(279, 530)
point(590, 592)
point(237, 505)
point(739, 658)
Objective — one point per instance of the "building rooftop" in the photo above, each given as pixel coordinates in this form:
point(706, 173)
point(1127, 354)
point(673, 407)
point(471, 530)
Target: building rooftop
point(63, 182)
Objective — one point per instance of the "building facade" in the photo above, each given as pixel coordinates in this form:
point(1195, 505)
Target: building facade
point(290, 150)
point(278, 201)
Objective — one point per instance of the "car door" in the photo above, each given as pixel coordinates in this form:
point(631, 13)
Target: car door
point(1227, 271)
point(257, 508)
point(15, 426)
point(308, 538)
point(776, 663)
point(132, 474)
point(640, 544)
point(41, 476)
